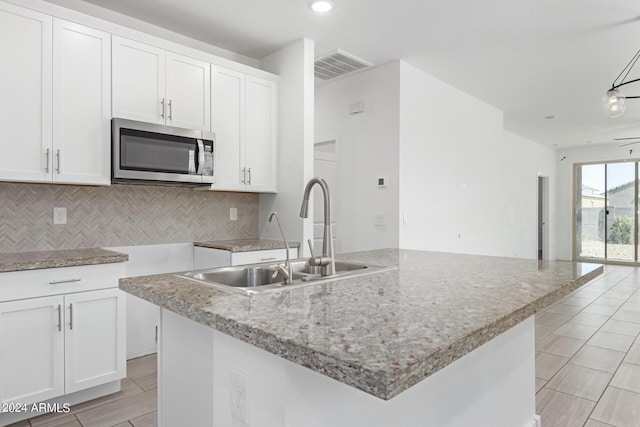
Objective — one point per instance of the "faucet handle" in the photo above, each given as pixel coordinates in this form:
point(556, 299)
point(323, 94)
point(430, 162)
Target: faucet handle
point(310, 247)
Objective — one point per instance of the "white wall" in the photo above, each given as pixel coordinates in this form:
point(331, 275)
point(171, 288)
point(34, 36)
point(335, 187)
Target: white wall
point(462, 183)
point(466, 185)
point(367, 147)
point(294, 64)
point(598, 153)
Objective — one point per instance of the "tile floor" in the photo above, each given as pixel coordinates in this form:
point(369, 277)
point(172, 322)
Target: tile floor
point(588, 354)
point(135, 405)
point(587, 365)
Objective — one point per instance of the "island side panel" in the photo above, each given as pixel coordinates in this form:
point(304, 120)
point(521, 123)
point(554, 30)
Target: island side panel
point(185, 372)
point(492, 386)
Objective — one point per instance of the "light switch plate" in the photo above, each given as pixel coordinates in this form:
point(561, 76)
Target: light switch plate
point(233, 214)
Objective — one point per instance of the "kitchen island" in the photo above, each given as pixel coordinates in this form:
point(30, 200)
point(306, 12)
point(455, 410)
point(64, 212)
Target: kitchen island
point(442, 340)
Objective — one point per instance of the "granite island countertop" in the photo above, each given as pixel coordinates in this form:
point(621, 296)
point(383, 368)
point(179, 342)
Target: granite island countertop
point(246, 245)
point(18, 261)
point(385, 332)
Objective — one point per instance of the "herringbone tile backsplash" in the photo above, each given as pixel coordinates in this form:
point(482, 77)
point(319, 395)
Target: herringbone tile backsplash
point(119, 215)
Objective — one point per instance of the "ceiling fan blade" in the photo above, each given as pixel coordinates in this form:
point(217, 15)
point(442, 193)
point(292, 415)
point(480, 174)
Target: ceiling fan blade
point(630, 143)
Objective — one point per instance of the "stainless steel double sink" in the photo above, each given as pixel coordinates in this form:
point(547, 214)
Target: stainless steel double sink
point(253, 278)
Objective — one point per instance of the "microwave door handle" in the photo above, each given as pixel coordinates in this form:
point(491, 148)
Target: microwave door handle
point(200, 170)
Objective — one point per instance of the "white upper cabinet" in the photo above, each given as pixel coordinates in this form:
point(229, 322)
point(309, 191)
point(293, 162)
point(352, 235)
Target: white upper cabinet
point(81, 104)
point(227, 121)
point(138, 81)
point(25, 84)
point(188, 92)
point(54, 118)
point(156, 86)
point(243, 117)
point(260, 134)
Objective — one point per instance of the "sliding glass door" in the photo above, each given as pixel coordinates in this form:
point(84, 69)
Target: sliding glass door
point(606, 211)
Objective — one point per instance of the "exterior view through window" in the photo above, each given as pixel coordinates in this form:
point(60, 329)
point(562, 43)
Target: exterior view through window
point(606, 211)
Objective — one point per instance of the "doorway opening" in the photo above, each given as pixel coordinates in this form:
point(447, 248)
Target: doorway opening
point(543, 217)
point(325, 166)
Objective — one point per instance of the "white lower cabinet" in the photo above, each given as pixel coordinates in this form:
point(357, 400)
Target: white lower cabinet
point(32, 350)
point(95, 338)
point(61, 344)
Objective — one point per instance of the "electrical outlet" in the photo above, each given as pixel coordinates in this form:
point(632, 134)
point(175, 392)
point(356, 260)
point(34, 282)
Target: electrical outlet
point(60, 216)
point(239, 398)
point(233, 214)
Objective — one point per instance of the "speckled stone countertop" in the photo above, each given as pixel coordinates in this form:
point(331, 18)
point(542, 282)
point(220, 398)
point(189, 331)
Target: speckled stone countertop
point(384, 332)
point(246, 245)
point(17, 261)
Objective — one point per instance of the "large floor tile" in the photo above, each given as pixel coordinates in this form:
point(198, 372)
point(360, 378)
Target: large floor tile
point(631, 306)
point(626, 316)
point(627, 377)
point(593, 423)
point(602, 359)
point(599, 309)
point(142, 366)
point(576, 330)
point(591, 319)
point(611, 341)
point(562, 410)
point(148, 420)
point(633, 356)
point(617, 407)
point(580, 381)
point(539, 384)
point(120, 410)
point(548, 364)
point(68, 420)
point(611, 302)
point(561, 308)
point(577, 301)
point(620, 327)
point(551, 319)
point(542, 331)
point(559, 345)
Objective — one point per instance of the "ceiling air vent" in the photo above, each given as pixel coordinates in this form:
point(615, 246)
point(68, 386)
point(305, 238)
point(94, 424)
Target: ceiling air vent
point(337, 64)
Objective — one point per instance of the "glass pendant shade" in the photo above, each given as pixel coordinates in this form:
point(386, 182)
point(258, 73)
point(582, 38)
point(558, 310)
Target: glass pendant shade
point(613, 103)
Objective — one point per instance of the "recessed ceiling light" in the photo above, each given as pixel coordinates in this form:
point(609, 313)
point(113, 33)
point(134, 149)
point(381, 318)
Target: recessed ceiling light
point(551, 117)
point(321, 6)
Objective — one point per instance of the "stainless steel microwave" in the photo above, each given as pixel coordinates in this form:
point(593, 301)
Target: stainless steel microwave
point(147, 152)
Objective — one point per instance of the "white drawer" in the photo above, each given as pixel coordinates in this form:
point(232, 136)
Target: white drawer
point(53, 281)
point(252, 257)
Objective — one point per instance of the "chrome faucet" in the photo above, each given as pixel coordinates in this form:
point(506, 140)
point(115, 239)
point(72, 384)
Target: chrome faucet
point(326, 261)
point(283, 269)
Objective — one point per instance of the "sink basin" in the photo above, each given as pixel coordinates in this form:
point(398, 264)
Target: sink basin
point(254, 278)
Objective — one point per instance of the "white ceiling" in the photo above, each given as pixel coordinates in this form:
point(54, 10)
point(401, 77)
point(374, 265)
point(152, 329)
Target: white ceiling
point(529, 58)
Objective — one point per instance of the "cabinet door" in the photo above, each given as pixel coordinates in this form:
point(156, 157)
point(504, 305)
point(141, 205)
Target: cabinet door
point(32, 350)
point(81, 104)
point(94, 339)
point(25, 85)
point(188, 92)
point(227, 122)
point(138, 81)
point(260, 134)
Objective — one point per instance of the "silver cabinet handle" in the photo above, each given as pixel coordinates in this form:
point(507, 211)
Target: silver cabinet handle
point(170, 111)
point(59, 318)
point(249, 171)
point(59, 167)
point(162, 110)
point(47, 154)
point(244, 175)
point(70, 316)
point(273, 258)
point(57, 282)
